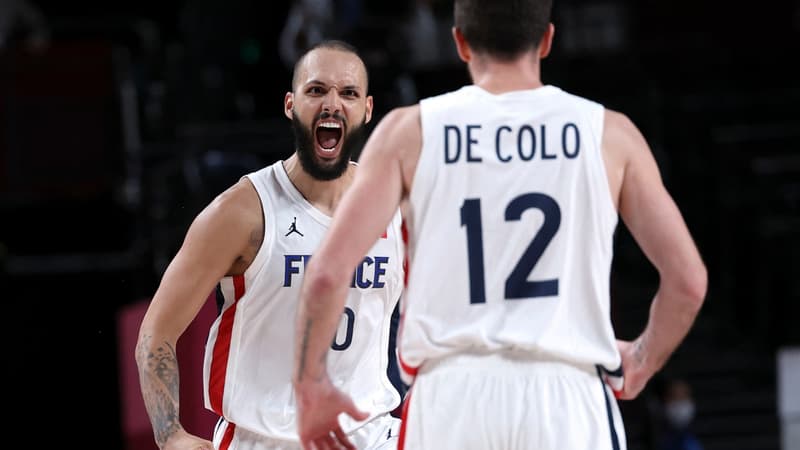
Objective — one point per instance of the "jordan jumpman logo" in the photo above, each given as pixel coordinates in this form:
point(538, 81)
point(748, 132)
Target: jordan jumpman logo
point(293, 228)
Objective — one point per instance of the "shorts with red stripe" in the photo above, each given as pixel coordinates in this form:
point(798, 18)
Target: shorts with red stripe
point(381, 433)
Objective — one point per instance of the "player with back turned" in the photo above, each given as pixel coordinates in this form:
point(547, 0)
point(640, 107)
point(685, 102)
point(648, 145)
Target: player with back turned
point(511, 191)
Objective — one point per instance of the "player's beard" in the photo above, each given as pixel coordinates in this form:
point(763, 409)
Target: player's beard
point(305, 142)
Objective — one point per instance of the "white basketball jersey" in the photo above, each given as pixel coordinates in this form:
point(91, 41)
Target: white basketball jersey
point(249, 354)
point(511, 230)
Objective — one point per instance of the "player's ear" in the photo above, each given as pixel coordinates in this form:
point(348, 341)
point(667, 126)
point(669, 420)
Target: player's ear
point(288, 104)
point(461, 45)
point(368, 111)
point(546, 44)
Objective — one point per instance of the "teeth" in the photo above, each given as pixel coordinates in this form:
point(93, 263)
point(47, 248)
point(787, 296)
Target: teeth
point(329, 125)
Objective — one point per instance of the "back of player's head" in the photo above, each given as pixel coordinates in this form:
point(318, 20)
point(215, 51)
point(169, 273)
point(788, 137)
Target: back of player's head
point(502, 29)
point(331, 44)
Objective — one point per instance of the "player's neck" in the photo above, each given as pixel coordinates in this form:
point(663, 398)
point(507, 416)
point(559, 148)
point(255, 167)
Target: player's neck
point(498, 77)
point(324, 195)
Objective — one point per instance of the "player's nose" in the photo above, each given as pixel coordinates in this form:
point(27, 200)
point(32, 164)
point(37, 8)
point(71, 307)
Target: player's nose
point(332, 103)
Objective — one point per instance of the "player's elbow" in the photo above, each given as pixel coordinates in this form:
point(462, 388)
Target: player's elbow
point(692, 283)
point(319, 280)
point(142, 350)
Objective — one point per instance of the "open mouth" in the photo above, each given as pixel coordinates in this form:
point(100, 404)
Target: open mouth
point(328, 134)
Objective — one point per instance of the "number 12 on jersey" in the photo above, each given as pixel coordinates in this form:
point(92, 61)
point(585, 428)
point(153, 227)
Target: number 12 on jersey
point(517, 284)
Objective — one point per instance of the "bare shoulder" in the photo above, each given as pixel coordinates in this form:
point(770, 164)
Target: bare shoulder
point(621, 136)
point(410, 114)
point(399, 138)
point(625, 151)
point(234, 218)
point(238, 202)
point(401, 127)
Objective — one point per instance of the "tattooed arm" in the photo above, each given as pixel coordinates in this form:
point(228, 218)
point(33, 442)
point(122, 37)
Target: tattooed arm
point(158, 372)
point(655, 222)
point(222, 240)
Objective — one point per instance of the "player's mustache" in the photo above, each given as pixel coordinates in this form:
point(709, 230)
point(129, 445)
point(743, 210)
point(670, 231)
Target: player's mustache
point(326, 115)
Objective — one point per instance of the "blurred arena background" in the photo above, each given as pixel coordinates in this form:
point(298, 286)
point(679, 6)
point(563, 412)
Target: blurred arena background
point(120, 121)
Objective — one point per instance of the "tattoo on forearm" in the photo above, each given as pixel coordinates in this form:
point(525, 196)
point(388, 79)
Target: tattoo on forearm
point(301, 368)
point(158, 373)
point(639, 348)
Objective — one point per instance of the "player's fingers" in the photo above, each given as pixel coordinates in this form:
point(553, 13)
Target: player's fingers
point(350, 408)
point(631, 389)
point(308, 444)
point(320, 443)
point(328, 443)
point(344, 442)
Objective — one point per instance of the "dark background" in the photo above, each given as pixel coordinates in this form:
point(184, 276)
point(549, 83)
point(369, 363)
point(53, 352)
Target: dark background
point(119, 123)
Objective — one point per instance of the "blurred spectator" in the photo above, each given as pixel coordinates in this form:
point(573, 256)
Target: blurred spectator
point(421, 30)
point(309, 22)
point(220, 46)
point(22, 20)
point(678, 409)
point(350, 14)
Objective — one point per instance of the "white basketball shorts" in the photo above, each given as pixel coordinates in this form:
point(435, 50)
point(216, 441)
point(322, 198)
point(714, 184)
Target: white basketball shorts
point(380, 433)
point(480, 402)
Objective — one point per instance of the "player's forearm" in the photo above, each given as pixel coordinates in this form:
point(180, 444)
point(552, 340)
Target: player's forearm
point(160, 382)
point(322, 300)
point(672, 314)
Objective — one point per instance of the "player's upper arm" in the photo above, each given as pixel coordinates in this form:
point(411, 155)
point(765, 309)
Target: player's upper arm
point(396, 141)
point(646, 206)
point(217, 237)
point(381, 182)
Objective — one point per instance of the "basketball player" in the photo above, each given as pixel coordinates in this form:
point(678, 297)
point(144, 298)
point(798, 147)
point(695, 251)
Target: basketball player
point(511, 190)
point(253, 242)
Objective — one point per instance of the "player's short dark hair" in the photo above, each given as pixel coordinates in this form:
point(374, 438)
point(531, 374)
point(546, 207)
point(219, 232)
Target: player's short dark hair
point(332, 44)
point(502, 29)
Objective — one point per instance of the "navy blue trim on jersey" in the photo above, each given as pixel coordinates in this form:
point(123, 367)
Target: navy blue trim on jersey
point(614, 438)
point(615, 373)
point(393, 369)
point(219, 423)
point(220, 297)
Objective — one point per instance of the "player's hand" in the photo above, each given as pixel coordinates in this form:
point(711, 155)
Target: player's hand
point(319, 404)
point(182, 440)
point(637, 373)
